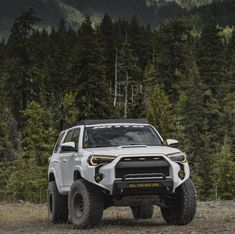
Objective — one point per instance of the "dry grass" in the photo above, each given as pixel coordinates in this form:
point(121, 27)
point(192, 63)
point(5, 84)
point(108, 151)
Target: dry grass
point(212, 217)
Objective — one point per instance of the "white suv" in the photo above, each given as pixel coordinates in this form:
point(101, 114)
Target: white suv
point(102, 163)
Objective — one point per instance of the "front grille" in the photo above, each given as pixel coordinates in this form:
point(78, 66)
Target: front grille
point(136, 166)
point(120, 172)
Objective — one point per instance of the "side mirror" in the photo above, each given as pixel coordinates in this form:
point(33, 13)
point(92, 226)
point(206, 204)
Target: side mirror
point(68, 147)
point(172, 143)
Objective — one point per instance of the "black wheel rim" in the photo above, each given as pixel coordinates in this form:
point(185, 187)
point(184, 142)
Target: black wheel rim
point(50, 203)
point(78, 205)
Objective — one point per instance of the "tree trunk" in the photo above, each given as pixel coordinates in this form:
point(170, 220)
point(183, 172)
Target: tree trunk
point(116, 78)
point(126, 95)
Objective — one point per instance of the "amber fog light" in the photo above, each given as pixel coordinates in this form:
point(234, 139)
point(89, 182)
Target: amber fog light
point(98, 177)
point(181, 174)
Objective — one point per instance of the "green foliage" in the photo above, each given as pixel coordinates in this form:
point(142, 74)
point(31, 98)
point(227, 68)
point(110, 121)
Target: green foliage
point(204, 117)
point(110, 45)
point(181, 78)
point(225, 171)
point(22, 75)
point(159, 110)
point(34, 135)
point(93, 91)
point(5, 140)
point(27, 175)
point(229, 100)
point(174, 56)
point(140, 42)
point(129, 78)
point(70, 110)
point(3, 181)
point(27, 181)
point(205, 166)
point(220, 12)
point(210, 59)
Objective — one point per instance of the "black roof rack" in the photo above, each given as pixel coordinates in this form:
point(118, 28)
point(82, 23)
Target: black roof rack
point(109, 121)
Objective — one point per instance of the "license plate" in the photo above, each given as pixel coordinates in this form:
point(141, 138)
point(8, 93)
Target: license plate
point(144, 185)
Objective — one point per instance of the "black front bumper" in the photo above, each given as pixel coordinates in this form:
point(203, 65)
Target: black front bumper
point(142, 187)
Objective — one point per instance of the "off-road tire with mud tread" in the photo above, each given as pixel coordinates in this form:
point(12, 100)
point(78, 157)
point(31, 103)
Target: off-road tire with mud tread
point(142, 212)
point(181, 206)
point(57, 204)
point(85, 204)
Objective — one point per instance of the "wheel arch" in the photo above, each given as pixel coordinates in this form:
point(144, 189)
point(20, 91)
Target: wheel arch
point(52, 176)
point(76, 175)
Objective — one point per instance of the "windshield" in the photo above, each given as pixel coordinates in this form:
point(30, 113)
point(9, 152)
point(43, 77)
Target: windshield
point(114, 135)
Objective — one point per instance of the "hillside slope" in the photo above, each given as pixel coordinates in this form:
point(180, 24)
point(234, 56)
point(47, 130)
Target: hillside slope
point(73, 11)
point(147, 11)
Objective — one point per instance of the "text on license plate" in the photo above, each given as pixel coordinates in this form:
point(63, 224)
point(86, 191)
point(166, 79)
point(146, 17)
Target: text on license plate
point(144, 185)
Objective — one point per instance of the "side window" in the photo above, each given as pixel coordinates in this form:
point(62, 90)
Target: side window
point(75, 137)
point(69, 135)
point(58, 142)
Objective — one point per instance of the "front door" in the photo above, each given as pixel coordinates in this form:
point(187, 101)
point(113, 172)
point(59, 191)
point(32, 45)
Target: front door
point(67, 159)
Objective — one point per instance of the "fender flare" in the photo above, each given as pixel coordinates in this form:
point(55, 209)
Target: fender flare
point(53, 172)
point(78, 169)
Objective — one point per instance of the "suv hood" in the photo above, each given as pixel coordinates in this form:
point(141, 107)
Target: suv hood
point(132, 150)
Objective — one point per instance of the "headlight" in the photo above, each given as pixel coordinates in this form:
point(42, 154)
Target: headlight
point(98, 160)
point(178, 157)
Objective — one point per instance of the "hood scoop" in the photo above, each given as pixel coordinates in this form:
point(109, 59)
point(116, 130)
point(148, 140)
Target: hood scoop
point(132, 146)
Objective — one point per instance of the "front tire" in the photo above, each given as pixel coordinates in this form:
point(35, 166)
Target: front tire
point(85, 204)
point(181, 206)
point(142, 212)
point(57, 204)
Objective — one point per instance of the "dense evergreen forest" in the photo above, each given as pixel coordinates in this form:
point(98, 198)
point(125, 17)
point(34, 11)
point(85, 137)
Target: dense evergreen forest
point(179, 77)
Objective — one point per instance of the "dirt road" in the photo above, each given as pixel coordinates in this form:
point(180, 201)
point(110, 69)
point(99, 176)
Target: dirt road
point(212, 217)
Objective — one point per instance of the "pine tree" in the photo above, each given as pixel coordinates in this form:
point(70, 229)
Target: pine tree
point(139, 38)
point(210, 60)
point(173, 56)
point(70, 109)
point(107, 30)
point(59, 68)
point(9, 133)
point(225, 172)
point(229, 99)
point(190, 113)
point(27, 179)
point(159, 111)
point(43, 48)
point(3, 181)
point(158, 105)
point(93, 93)
point(205, 165)
point(119, 36)
point(8, 140)
point(201, 115)
point(61, 65)
point(129, 78)
point(21, 80)
point(180, 116)
point(211, 65)
point(35, 137)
